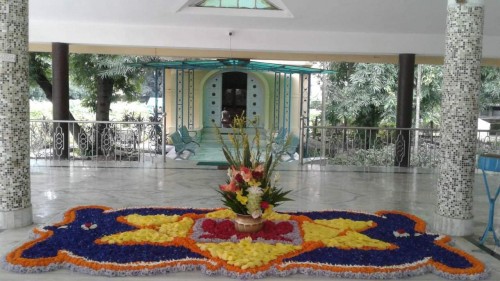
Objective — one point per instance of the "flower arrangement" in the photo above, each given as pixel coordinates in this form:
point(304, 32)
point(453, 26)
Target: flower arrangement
point(251, 186)
point(335, 244)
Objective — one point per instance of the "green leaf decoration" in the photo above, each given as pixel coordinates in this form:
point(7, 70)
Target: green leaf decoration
point(241, 152)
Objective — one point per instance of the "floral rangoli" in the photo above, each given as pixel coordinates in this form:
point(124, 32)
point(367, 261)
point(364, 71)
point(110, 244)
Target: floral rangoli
point(138, 241)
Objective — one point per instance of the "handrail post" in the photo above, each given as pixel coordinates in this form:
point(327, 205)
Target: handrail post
point(323, 144)
point(163, 137)
point(96, 142)
point(301, 140)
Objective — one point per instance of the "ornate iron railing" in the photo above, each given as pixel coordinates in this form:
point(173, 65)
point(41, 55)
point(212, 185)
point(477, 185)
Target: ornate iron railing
point(99, 141)
point(143, 142)
point(367, 146)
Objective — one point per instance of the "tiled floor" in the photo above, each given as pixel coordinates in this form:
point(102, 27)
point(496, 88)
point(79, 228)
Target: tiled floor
point(185, 184)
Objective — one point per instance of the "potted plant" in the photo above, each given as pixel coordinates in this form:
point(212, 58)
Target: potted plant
point(250, 188)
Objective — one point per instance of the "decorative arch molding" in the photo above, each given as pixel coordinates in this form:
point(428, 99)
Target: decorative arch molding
point(210, 99)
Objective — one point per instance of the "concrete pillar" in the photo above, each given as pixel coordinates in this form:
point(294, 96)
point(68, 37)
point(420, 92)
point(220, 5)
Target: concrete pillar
point(15, 193)
point(60, 98)
point(461, 85)
point(404, 108)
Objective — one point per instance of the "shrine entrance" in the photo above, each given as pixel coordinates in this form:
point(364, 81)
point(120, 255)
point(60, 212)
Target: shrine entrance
point(232, 93)
point(239, 86)
point(234, 97)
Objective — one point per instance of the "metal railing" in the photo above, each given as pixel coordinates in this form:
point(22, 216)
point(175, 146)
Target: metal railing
point(97, 141)
point(368, 146)
point(143, 142)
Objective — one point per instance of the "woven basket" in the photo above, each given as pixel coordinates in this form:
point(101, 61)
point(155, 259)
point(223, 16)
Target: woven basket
point(246, 223)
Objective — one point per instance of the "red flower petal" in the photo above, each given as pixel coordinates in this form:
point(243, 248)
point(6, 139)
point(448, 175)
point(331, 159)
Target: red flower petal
point(264, 205)
point(225, 230)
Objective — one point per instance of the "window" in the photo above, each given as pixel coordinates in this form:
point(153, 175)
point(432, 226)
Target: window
point(237, 4)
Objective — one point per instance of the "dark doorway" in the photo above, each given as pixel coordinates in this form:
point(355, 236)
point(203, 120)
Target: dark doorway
point(234, 96)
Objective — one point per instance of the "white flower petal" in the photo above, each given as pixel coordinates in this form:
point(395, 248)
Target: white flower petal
point(256, 214)
point(255, 190)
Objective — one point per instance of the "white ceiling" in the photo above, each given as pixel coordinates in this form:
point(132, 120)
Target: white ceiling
point(366, 27)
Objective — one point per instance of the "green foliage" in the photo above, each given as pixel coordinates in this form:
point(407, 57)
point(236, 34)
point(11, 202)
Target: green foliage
point(384, 156)
point(149, 85)
point(250, 176)
point(40, 70)
point(132, 117)
point(362, 94)
point(87, 69)
point(490, 90)
point(431, 88)
point(315, 104)
point(36, 93)
point(39, 64)
point(120, 111)
point(339, 109)
point(432, 79)
point(77, 92)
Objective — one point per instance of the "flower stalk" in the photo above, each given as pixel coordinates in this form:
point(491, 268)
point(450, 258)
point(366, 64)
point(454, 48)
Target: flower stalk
point(250, 188)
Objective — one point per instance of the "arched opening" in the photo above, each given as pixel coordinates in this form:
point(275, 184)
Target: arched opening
point(234, 96)
point(237, 92)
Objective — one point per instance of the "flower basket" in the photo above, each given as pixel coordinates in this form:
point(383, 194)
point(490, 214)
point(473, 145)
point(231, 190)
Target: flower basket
point(250, 188)
point(247, 223)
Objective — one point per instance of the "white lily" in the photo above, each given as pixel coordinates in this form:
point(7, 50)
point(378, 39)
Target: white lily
point(255, 190)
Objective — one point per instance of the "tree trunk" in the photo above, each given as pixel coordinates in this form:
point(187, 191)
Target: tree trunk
point(104, 93)
point(46, 86)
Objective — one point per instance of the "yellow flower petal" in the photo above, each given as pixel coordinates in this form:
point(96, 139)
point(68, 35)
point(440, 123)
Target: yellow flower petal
point(341, 233)
point(247, 254)
point(221, 214)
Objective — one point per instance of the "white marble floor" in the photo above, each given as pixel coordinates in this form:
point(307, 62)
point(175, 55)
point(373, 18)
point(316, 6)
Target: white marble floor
point(59, 187)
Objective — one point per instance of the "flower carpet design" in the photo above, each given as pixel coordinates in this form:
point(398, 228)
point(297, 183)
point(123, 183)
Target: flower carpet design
point(142, 241)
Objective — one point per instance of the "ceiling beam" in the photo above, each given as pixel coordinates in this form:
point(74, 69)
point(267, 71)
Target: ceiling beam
point(198, 53)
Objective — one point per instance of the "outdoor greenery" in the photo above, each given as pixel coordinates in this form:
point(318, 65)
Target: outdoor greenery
point(363, 94)
point(104, 77)
point(358, 94)
point(103, 87)
point(120, 110)
point(490, 91)
point(96, 80)
point(384, 156)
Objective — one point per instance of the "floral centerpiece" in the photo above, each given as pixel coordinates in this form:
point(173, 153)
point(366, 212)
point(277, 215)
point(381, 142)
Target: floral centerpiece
point(251, 186)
